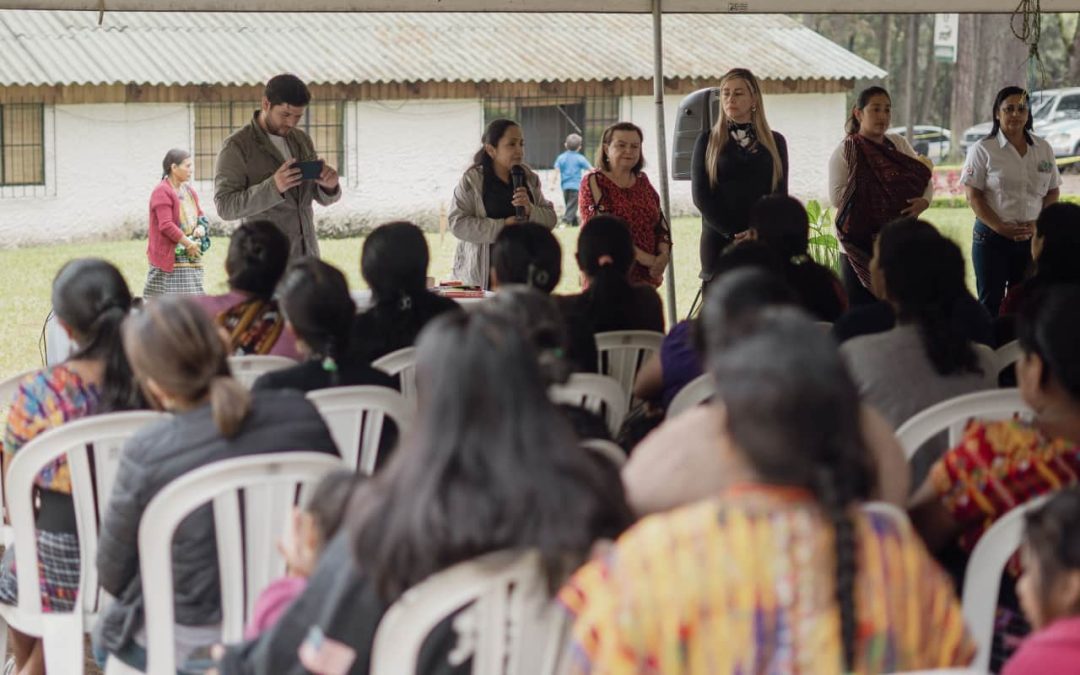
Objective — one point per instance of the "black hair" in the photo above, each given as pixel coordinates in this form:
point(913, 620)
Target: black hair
point(605, 252)
point(924, 278)
point(1049, 327)
point(781, 222)
point(287, 88)
point(394, 264)
point(996, 112)
point(528, 254)
point(1058, 226)
point(258, 254)
point(734, 298)
point(174, 156)
point(1052, 534)
point(330, 500)
point(493, 133)
point(316, 301)
point(852, 125)
point(490, 465)
point(538, 318)
point(91, 298)
point(793, 410)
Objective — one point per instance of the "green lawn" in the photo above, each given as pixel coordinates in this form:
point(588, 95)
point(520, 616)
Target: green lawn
point(27, 274)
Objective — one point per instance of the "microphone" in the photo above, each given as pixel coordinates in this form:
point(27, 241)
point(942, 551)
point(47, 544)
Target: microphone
point(517, 178)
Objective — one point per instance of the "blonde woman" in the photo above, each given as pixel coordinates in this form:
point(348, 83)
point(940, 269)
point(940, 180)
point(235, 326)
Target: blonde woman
point(737, 163)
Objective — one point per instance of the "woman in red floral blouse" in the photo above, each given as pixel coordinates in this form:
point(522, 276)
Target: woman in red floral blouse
point(618, 187)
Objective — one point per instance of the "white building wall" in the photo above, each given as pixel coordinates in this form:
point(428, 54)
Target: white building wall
point(102, 162)
point(402, 161)
point(409, 157)
point(811, 123)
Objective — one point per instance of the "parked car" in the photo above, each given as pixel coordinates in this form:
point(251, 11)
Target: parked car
point(1063, 137)
point(930, 141)
point(1047, 107)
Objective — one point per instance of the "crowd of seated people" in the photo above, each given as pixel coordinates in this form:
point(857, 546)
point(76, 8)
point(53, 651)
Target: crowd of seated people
point(733, 539)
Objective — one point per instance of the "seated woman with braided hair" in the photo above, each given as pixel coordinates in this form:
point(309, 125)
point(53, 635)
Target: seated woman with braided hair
point(394, 264)
point(319, 312)
point(249, 314)
point(781, 571)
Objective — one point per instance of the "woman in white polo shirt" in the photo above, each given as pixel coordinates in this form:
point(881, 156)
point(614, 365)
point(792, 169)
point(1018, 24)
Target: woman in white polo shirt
point(1008, 177)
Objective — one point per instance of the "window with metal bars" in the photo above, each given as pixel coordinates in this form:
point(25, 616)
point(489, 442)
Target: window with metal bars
point(546, 122)
point(323, 121)
point(22, 144)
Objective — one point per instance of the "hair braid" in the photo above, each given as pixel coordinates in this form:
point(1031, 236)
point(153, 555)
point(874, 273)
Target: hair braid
point(836, 496)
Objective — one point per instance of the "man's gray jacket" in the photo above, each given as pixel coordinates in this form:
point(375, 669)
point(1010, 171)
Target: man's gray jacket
point(244, 187)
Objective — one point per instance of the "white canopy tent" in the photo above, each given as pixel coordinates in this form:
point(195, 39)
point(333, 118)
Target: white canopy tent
point(655, 7)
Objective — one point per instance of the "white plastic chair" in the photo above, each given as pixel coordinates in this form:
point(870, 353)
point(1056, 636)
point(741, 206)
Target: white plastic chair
point(697, 391)
point(403, 364)
point(621, 353)
point(953, 415)
point(1006, 355)
point(515, 627)
point(92, 475)
point(356, 417)
point(251, 498)
point(597, 393)
point(8, 388)
point(606, 449)
point(247, 369)
point(982, 578)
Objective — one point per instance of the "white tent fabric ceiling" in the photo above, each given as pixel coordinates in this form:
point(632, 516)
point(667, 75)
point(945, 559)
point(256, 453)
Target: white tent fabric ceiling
point(631, 6)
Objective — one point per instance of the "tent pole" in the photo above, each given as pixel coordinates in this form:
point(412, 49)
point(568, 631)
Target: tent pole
point(661, 146)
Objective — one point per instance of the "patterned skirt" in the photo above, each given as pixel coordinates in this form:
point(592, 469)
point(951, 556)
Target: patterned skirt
point(181, 281)
point(58, 571)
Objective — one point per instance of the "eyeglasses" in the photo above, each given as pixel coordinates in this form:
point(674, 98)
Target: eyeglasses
point(1014, 109)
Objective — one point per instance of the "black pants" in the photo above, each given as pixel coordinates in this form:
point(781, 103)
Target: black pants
point(857, 293)
point(999, 263)
point(570, 216)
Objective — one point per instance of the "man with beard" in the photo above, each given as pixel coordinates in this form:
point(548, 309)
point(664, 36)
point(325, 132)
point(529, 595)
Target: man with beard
point(258, 175)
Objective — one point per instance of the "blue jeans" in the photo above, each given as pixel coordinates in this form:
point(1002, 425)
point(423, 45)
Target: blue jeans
point(999, 263)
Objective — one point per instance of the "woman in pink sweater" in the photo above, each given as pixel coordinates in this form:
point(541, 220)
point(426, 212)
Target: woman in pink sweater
point(176, 233)
point(1049, 589)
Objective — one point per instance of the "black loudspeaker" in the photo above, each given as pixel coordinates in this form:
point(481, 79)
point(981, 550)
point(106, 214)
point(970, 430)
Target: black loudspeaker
point(697, 113)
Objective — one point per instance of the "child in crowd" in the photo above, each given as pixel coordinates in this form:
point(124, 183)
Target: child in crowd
point(309, 531)
point(1049, 589)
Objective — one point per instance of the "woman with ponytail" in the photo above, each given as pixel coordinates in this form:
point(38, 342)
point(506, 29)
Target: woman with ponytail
point(177, 236)
point(739, 161)
point(394, 264)
point(610, 301)
point(927, 358)
point(249, 314)
point(319, 311)
point(781, 571)
point(181, 363)
point(90, 299)
point(875, 177)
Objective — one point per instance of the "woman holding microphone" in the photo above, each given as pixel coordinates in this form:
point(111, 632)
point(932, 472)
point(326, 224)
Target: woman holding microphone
point(1008, 177)
point(487, 199)
point(737, 163)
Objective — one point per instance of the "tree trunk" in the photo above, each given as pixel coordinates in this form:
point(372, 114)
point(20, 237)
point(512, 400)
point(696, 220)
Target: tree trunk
point(1004, 58)
point(929, 86)
point(964, 72)
point(1072, 56)
point(885, 40)
point(911, 60)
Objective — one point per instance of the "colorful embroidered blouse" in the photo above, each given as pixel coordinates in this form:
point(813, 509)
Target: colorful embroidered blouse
point(189, 220)
point(47, 399)
point(744, 583)
point(996, 466)
point(638, 205)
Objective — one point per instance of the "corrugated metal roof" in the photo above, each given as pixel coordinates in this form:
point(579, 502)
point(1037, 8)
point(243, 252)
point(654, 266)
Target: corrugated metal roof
point(182, 48)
